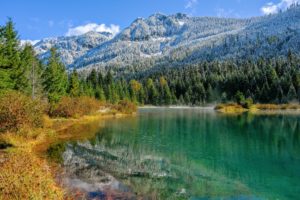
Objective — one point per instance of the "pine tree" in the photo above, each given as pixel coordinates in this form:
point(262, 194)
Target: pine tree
point(55, 77)
point(99, 93)
point(74, 84)
point(88, 90)
point(264, 93)
point(141, 95)
point(135, 88)
point(126, 89)
point(120, 90)
point(199, 93)
point(292, 95)
point(9, 56)
point(5, 71)
point(30, 71)
point(92, 78)
point(112, 95)
point(100, 79)
point(210, 93)
point(166, 96)
point(108, 78)
point(279, 95)
point(152, 95)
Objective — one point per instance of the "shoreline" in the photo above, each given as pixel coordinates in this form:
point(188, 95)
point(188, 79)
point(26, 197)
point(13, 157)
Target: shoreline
point(234, 108)
point(27, 158)
point(30, 153)
point(208, 107)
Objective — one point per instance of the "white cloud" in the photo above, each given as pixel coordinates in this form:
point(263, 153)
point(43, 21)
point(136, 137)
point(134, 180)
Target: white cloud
point(272, 8)
point(191, 7)
point(79, 30)
point(191, 4)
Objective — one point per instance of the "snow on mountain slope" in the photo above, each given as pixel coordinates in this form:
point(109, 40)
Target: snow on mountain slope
point(72, 47)
point(179, 38)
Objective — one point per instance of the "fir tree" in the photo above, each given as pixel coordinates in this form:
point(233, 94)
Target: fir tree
point(166, 96)
point(99, 93)
point(30, 71)
point(92, 78)
point(135, 88)
point(74, 84)
point(9, 56)
point(152, 95)
point(292, 95)
point(55, 77)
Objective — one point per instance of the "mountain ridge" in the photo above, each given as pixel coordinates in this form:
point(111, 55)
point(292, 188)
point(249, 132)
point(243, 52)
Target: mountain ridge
point(160, 38)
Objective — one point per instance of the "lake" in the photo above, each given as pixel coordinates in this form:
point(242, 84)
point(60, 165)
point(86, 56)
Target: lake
point(191, 153)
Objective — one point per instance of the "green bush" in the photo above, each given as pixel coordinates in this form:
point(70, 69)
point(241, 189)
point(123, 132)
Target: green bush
point(18, 111)
point(247, 103)
point(55, 152)
point(239, 97)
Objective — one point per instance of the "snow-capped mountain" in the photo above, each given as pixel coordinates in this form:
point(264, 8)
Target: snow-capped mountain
point(73, 47)
point(179, 38)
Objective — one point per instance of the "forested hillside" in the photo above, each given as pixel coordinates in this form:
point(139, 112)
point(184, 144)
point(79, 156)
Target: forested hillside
point(257, 59)
point(179, 39)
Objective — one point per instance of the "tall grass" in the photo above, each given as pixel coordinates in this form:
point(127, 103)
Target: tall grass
point(25, 176)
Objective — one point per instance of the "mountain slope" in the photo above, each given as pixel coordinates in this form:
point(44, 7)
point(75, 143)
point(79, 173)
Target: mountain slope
point(70, 48)
point(178, 38)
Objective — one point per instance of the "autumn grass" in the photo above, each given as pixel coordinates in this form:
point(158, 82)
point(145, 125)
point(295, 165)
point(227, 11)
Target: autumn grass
point(277, 106)
point(236, 108)
point(25, 176)
point(25, 171)
point(230, 108)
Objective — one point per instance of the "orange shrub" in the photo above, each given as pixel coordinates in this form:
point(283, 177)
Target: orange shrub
point(19, 111)
point(74, 107)
point(125, 107)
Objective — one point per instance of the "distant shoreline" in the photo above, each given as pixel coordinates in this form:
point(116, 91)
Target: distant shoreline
point(209, 107)
point(258, 108)
point(236, 109)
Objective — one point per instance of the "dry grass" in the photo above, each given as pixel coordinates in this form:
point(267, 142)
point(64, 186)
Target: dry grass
point(277, 106)
point(235, 108)
point(27, 138)
point(69, 107)
point(230, 108)
point(125, 107)
point(24, 176)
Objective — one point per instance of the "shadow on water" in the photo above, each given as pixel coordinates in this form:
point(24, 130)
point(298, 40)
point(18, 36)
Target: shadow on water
point(187, 154)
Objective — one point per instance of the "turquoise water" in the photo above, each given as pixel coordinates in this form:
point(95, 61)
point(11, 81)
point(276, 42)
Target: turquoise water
point(188, 154)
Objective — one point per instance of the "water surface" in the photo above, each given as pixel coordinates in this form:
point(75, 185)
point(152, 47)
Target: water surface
point(188, 154)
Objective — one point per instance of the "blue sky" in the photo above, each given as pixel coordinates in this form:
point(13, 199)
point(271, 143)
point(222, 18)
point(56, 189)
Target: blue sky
point(37, 19)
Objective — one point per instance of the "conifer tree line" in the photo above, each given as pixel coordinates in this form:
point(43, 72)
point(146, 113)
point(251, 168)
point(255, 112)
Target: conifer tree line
point(110, 89)
point(21, 70)
point(265, 80)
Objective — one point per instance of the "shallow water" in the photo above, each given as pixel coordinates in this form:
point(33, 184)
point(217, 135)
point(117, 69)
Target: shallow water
point(188, 154)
